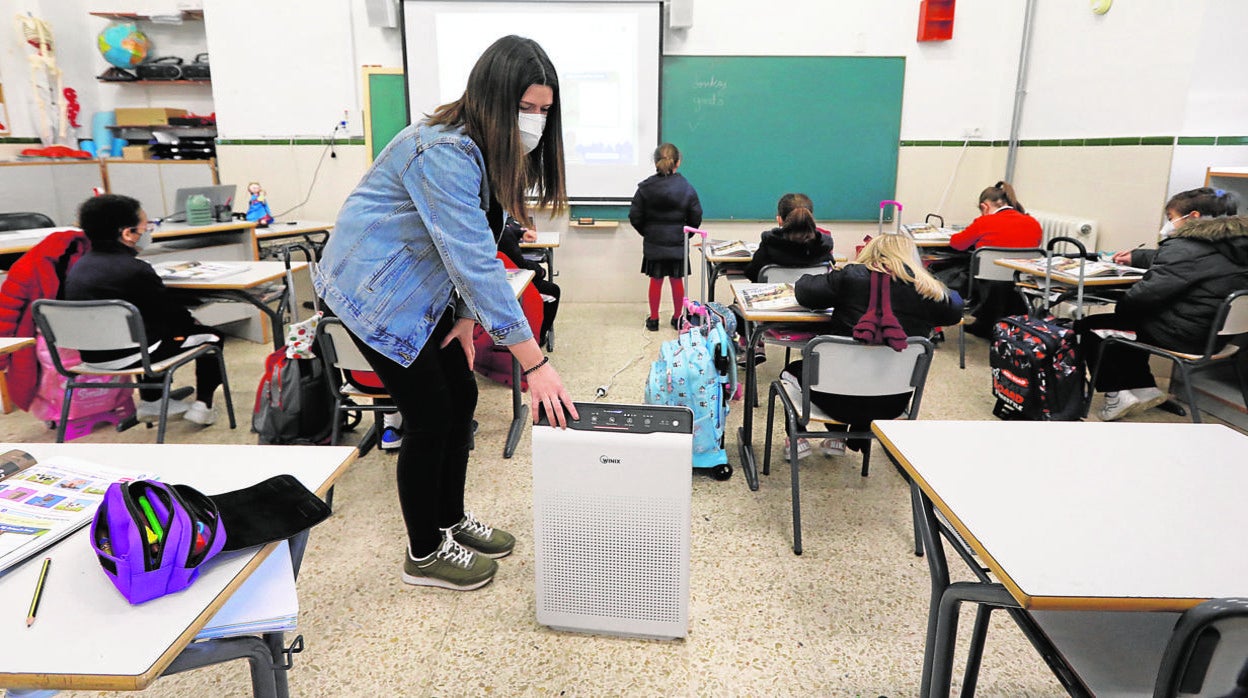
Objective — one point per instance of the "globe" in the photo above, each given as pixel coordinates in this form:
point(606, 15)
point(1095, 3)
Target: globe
point(123, 45)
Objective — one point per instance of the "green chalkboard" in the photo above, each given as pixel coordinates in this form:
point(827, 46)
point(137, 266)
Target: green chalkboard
point(386, 97)
point(751, 128)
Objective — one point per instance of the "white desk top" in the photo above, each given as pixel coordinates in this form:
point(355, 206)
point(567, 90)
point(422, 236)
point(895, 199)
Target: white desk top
point(281, 229)
point(9, 345)
point(15, 241)
point(255, 274)
point(87, 635)
point(1037, 266)
point(544, 240)
point(775, 315)
point(168, 229)
point(1089, 516)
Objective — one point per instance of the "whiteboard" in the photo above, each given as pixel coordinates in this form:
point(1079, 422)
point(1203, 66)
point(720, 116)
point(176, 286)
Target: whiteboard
point(607, 57)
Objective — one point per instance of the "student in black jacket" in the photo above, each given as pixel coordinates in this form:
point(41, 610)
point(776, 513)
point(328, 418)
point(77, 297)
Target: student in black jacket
point(118, 228)
point(664, 204)
point(1194, 269)
point(509, 245)
point(797, 242)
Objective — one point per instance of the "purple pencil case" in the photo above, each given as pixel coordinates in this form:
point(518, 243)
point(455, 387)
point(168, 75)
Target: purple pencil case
point(151, 538)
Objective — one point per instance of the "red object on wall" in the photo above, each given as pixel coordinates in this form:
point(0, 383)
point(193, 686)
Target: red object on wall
point(936, 20)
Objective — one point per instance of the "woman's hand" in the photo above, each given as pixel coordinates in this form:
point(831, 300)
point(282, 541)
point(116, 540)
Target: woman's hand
point(547, 392)
point(529, 235)
point(462, 331)
point(1123, 257)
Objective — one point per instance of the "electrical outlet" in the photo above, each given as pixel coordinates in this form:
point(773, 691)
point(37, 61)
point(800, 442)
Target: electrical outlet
point(975, 132)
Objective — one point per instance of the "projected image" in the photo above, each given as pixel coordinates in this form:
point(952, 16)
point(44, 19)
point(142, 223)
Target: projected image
point(608, 74)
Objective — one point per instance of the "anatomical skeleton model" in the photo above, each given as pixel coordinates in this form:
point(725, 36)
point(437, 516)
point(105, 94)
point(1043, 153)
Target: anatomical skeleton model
point(45, 80)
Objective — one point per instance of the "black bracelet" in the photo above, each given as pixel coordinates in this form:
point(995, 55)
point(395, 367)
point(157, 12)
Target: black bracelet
point(545, 360)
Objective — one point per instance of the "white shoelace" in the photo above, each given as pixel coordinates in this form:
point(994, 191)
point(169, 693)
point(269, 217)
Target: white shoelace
point(475, 527)
point(453, 552)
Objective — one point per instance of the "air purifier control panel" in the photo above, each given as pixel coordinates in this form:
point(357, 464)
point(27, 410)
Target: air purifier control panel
point(631, 419)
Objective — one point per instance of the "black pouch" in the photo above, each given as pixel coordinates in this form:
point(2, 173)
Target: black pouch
point(267, 511)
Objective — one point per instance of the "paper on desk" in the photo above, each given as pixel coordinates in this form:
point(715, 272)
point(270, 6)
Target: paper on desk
point(267, 601)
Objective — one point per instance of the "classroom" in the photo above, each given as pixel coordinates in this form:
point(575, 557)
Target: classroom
point(1097, 113)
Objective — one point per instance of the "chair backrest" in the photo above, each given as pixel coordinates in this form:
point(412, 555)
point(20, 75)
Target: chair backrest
point(984, 268)
point(777, 274)
point(89, 326)
point(1206, 650)
point(1235, 320)
point(339, 348)
point(24, 220)
point(844, 366)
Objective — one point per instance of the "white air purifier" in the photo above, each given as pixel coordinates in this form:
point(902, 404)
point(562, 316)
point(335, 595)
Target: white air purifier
point(611, 502)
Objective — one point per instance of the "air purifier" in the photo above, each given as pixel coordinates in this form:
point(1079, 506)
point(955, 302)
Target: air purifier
point(611, 503)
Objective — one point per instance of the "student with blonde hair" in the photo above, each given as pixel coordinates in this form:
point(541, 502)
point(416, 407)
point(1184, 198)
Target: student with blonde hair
point(919, 300)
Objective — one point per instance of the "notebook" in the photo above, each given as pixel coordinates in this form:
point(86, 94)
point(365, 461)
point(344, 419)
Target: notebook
point(267, 601)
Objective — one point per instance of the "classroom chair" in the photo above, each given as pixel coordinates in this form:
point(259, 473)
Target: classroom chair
point(1231, 321)
point(24, 220)
point(777, 274)
point(1203, 644)
point(982, 267)
point(104, 325)
point(844, 366)
point(341, 355)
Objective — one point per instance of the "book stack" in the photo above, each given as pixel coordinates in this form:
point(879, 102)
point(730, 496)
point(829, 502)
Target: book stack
point(775, 297)
point(266, 603)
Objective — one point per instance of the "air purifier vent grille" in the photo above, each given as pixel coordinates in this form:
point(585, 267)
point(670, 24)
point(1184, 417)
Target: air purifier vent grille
point(633, 573)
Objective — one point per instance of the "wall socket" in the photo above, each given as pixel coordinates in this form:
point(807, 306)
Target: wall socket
point(975, 132)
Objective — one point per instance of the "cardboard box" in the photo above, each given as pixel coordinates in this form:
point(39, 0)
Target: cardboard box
point(136, 152)
point(146, 116)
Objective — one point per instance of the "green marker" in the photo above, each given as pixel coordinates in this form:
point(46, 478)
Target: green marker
point(151, 517)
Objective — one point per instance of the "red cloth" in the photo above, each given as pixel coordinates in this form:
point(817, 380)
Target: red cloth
point(1005, 228)
point(33, 276)
point(494, 362)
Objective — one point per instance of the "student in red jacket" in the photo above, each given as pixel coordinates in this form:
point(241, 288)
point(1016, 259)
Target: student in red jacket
point(1003, 222)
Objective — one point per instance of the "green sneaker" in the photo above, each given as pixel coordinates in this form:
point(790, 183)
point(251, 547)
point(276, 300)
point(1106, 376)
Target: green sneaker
point(486, 540)
point(451, 566)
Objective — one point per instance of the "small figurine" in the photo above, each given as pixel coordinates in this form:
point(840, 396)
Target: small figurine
point(258, 205)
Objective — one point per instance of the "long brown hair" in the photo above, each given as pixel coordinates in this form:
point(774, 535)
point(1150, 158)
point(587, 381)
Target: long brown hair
point(797, 216)
point(487, 112)
point(666, 158)
point(1002, 194)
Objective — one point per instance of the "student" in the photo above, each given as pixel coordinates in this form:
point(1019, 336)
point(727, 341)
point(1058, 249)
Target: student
point(1199, 263)
point(412, 267)
point(664, 204)
point(118, 229)
point(1192, 204)
point(797, 242)
point(919, 300)
point(1003, 222)
point(509, 244)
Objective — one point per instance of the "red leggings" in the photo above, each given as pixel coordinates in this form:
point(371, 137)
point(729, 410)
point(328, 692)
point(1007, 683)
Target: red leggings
point(656, 291)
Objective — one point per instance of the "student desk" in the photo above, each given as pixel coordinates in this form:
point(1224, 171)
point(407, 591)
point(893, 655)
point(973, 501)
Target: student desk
point(241, 288)
point(545, 244)
point(759, 321)
point(715, 266)
point(1075, 517)
point(280, 231)
point(1065, 280)
point(87, 636)
point(519, 411)
point(8, 345)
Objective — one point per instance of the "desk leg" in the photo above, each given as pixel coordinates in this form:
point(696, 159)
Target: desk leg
point(242, 296)
point(745, 436)
point(519, 411)
point(550, 263)
point(249, 647)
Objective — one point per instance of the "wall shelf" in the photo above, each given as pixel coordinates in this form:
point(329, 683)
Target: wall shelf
point(155, 82)
point(184, 15)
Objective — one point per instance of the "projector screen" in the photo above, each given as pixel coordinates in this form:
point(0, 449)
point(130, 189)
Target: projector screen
point(607, 56)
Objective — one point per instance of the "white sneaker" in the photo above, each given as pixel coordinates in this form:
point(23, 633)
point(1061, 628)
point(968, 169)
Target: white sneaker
point(149, 410)
point(1149, 398)
point(832, 447)
point(803, 448)
point(1117, 405)
point(200, 413)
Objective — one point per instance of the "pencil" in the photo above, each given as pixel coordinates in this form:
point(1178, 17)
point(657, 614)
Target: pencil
point(34, 603)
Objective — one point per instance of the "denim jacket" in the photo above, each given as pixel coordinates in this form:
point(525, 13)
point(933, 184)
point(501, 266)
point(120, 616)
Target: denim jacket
point(411, 237)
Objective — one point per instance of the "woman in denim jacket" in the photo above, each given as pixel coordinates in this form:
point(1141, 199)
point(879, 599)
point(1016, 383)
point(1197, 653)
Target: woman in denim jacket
point(411, 268)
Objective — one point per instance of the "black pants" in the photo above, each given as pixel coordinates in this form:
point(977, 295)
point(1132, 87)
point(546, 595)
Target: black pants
point(437, 396)
point(207, 370)
point(1124, 368)
point(549, 308)
point(857, 411)
point(995, 300)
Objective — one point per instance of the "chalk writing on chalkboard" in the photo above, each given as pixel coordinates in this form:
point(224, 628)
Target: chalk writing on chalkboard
point(708, 92)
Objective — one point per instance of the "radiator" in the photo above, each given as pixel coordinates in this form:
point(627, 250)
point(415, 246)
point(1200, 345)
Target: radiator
point(1057, 225)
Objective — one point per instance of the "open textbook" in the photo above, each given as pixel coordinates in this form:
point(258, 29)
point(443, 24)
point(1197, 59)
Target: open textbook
point(43, 502)
point(1069, 266)
point(730, 248)
point(196, 270)
point(768, 297)
point(927, 231)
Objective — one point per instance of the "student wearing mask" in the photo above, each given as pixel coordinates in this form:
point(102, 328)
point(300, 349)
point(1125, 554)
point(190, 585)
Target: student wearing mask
point(1202, 258)
point(411, 268)
point(1192, 204)
point(118, 229)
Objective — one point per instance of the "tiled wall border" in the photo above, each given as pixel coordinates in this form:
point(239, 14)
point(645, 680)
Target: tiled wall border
point(1081, 142)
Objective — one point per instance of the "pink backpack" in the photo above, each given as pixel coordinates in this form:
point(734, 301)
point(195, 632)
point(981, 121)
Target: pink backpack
point(87, 402)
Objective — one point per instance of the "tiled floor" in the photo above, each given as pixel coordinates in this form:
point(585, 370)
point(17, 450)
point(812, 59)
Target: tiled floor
point(846, 618)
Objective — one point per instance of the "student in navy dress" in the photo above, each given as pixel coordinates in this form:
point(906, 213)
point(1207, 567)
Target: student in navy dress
point(664, 204)
point(919, 300)
point(1202, 258)
point(796, 242)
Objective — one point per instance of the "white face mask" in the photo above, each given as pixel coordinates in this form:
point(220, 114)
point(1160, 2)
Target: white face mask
point(531, 128)
point(1168, 229)
point(145, 240)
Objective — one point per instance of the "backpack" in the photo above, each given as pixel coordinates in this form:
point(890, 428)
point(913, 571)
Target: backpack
point(88, 402)
point(1036, 372)
point(493, 361)
point(878, 324)
point(293, 402)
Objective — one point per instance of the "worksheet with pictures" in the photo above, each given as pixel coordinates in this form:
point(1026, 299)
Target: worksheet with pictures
point(42, 502)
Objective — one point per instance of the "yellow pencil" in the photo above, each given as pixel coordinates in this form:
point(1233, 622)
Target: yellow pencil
point(34, 603)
